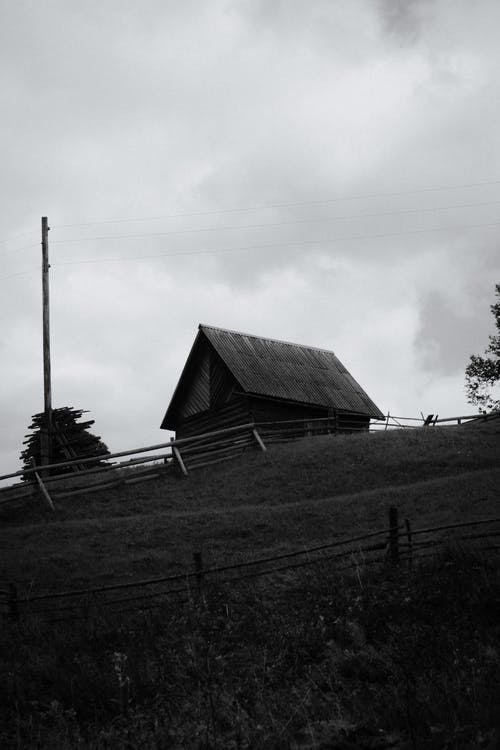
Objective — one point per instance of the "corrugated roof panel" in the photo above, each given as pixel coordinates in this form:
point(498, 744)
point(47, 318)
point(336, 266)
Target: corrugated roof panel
point(289, 371)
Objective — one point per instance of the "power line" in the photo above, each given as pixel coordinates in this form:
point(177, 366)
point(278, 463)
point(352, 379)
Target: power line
point(292, 222)
point(274, 245)
point(19, 249)
point(17, 237)
point(283, 205)
point(19, 273)
point(265, 246)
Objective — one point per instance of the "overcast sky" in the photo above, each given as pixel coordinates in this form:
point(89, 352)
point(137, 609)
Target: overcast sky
point(324, 172)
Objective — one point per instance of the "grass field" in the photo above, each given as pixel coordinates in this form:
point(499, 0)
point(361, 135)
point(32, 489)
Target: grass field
point(318, 660)
point(297, 494)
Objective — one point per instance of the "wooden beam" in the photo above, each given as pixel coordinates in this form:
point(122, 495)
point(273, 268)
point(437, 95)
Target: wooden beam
point(259, 440)
point(158, 446)
point(242, 441)
point(202, 464)
point(227, 451)
point(179, 460)
point(42, 487)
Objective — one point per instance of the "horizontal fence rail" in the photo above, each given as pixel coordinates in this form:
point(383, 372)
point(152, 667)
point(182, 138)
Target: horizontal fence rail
point(181, 456)
point(397, 545)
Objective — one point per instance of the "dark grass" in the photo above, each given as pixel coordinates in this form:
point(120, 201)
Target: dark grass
point(305, 469)
point(295, 495)
point(317, 659)
point(314, 658)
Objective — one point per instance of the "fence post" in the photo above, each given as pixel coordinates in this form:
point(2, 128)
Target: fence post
point(13, 604)
point(179, 460)
point(410, 545)
point(41, 486)
point(393, 536)
point(198, 567)
point(259, 440)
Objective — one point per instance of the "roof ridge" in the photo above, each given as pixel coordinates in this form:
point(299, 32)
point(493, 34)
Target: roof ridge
point(202, 326)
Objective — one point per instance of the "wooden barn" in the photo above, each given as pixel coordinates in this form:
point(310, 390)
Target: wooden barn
point(233, 378)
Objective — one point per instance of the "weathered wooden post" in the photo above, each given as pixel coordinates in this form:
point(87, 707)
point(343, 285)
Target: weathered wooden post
point(180, 463)
point(46, 431)
point(410, 545)
point(259, 440)
point(393, 536)
point(41, 486)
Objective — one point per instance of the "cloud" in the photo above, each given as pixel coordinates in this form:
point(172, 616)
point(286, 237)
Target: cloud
point(306, 171)
point(405, 19)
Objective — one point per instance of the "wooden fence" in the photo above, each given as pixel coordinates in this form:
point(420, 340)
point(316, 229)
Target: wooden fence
point(281, 431)
point(186, 454)
point(398, 545)
point(177, 456)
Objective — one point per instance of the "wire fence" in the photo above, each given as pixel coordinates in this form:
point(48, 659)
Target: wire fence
point(398, 545)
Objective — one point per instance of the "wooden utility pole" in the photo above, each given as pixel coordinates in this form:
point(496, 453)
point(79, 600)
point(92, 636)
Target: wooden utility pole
point(46, 434)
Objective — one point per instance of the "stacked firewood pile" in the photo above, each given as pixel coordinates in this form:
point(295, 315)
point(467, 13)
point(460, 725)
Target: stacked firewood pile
point(69, 439)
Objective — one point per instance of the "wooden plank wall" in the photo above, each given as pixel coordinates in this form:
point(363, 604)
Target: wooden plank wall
point(222, 382)
point(197, 396)
point(346, 421)
point(267, 410)
point(236, 411)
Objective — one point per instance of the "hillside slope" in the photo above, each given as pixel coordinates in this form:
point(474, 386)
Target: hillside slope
point(292, 496)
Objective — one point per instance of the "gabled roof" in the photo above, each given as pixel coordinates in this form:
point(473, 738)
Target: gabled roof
point(282, 370)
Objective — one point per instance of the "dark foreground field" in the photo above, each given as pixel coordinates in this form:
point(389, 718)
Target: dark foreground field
point(378, 660)
point(317, 658)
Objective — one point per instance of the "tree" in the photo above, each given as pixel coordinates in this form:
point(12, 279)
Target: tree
point(482, 373)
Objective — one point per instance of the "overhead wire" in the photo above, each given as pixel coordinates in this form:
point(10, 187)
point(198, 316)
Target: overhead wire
point(264, 246)
point(294, 204)
point(258, 207)
point(264, 225)
point(17, 237)
point(261, 246)
point(19, 249)
point(324, 241)
point(19, 273)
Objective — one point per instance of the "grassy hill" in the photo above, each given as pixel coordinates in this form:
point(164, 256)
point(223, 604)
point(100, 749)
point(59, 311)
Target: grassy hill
point(318, 660)
point(294, 495)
